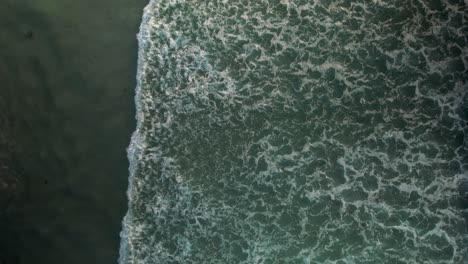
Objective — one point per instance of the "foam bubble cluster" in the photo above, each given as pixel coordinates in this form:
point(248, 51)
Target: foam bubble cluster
point(298, 131)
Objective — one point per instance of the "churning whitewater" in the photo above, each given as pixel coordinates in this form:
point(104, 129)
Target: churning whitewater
point(299, 131)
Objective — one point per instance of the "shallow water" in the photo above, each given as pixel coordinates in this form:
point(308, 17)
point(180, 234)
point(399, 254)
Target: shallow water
point(67, 78)
point(293, 131)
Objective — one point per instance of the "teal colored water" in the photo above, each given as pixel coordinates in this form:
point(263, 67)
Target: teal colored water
point(294, 131)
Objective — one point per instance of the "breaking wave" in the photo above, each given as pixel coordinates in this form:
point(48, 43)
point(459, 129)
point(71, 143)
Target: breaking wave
point(297, 131)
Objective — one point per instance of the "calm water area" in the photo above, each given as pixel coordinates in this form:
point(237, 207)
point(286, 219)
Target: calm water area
point(67, 79)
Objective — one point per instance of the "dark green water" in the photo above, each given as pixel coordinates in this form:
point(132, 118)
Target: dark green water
point(296, 131)
point(67, 78)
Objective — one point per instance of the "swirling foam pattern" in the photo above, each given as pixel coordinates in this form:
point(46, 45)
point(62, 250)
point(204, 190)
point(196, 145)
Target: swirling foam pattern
point(299, 131)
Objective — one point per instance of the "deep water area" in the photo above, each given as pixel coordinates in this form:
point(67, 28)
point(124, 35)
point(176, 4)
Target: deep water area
point(296, 131)
point(67, 78)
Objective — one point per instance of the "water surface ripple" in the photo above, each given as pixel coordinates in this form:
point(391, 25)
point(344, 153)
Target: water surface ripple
point(294, 131)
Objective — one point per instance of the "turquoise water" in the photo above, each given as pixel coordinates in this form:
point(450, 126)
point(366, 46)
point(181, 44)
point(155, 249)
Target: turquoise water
point(293, 131)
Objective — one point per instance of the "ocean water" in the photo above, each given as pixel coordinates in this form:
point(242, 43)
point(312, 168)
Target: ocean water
point(294, 131)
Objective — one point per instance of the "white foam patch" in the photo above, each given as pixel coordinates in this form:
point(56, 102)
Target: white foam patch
point(288, 131)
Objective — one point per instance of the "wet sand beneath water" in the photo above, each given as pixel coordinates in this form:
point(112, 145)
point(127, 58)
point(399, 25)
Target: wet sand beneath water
point(67, 78)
